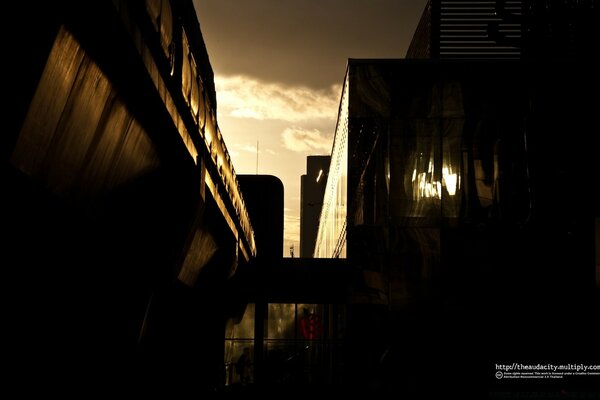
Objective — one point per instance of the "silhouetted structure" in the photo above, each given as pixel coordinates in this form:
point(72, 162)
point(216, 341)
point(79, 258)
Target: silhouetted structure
point(264, 198)
point(456, 194)
point(122, 213)
point(290, 311)
point(507, 29)
point(462, 195)
point(312, 188)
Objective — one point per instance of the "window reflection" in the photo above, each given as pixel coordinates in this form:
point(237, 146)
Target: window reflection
point(281, 321)
point(302, 342)
point(239, 335)
point(331, 236)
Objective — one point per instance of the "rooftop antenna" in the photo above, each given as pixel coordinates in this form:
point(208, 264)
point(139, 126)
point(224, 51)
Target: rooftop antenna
point(257, 157)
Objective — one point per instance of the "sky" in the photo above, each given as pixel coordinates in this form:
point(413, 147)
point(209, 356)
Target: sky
point(279, 66)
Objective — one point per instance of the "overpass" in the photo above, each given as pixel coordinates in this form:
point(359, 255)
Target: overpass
point(120, 197)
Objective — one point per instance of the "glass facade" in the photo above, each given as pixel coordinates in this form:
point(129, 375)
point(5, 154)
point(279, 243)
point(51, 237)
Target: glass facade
point(331, 237)
point(420, 150)
point(239, 336)
point(461, 182)
point(302, 343)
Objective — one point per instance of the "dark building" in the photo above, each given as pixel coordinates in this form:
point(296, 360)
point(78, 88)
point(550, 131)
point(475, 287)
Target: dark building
point(455, 195)
point(514, 29)
point(263, 196)
point(312, 188)
point(128, 250)
point(288, 313)
point(458, 219)
point(122, 217)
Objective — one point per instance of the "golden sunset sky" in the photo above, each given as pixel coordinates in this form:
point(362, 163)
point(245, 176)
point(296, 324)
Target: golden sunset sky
point(279, 66)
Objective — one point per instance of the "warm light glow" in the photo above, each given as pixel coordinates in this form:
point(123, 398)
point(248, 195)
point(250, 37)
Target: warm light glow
point(320, 175)
point(331, 237)
point(450, 181)
point(245, 97)
point(208, 137)
point(426, 188)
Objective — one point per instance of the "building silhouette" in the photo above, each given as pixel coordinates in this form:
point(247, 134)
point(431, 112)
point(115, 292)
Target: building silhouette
point(122, 213)
point(312, 188)
point(506, 29)
point(453, 196)
point(458, 225)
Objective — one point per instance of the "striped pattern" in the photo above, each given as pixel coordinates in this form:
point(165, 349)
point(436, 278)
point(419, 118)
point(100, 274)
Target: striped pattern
point(507, 29)
point(477, 29)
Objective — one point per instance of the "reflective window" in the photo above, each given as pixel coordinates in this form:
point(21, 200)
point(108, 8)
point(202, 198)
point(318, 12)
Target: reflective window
point(281, 322)
point(331, 237)
point(187, 75)
point(239, 348)
point(302, 343)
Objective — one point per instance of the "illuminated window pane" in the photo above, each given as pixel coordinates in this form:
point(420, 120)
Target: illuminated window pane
point(331, 237)
point(166, 27)
point(281, 321)
point(186, 70)
point(243, 329)
point(310, 321)
point(194, 95)
point(451, 166)
point(202, 105)
point(233, 350)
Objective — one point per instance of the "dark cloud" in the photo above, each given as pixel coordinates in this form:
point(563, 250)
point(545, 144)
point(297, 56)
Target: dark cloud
point(303, 42)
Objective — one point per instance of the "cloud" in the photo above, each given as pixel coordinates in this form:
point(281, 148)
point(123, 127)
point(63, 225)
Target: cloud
point(248, 147)
point(244, 97)
point(251, 148)
point(305, 140)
